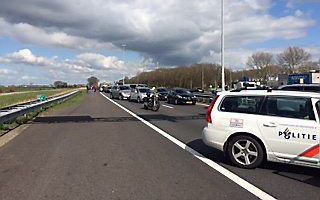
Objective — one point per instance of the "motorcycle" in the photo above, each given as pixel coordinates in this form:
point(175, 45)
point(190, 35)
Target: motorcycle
point(151, 102)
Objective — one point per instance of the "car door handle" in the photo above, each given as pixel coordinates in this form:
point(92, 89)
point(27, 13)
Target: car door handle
point(270, 124)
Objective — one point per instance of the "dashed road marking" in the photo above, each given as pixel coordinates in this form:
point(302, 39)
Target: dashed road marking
point(233, 177)
point(167, 106)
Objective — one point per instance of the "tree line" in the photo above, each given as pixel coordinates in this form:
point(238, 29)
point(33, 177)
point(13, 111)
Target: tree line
point(260, 66)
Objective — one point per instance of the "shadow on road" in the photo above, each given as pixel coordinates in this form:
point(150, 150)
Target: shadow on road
point(88, 119)
point(81, 119)
point(302, 174)
point(208, 152)
point(161, 117)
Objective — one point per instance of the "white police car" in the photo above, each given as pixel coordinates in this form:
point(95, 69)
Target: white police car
point(251, 126)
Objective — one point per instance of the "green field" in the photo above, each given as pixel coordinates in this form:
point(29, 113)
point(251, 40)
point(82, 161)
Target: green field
point(22, 89)
point(73, 102)
point(13, 99)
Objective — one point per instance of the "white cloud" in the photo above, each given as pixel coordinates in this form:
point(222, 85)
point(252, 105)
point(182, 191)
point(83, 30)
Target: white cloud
point(175, 32)
point(5, 72)
point(29, 34)
point(81, 67)
point(298, 13)
point(98, 61)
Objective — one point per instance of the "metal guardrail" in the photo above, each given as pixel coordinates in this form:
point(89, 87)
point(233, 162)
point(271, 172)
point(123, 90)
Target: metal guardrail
point(10, 113)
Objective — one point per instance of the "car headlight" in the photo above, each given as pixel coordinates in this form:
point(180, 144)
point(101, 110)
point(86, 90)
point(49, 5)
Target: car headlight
point(179, 96)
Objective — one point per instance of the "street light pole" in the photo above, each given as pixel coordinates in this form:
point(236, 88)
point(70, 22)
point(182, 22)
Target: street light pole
point(222, 47)
point(124, 53)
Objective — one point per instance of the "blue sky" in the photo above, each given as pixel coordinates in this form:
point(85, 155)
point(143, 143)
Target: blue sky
point(41, 43)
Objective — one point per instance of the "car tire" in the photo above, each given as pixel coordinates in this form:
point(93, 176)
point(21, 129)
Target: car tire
point(194, 103)
point(245, 152)
point(129, 99)
point(176, 102)
point(120, 97)
point(168, 101)
point(138, 100)
point(111, 96)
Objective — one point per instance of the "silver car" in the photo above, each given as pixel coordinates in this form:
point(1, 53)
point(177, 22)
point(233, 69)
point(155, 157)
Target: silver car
point(138, 93)
point(120, 92)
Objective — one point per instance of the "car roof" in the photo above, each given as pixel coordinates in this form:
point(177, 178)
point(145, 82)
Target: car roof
point(271, 93)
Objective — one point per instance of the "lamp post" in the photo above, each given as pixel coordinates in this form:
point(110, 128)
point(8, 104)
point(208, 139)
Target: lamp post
point(222, 47)
point(124, 53)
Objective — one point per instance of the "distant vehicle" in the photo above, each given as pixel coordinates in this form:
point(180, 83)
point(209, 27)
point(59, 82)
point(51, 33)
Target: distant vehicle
point(301, 87)
point(197, 90)
point(137, 85)
point(247, 85)
point(251, 126)
point(107, 89)
point(162, 93)
point(138, 93)
point(120, 92)
point(181, 96)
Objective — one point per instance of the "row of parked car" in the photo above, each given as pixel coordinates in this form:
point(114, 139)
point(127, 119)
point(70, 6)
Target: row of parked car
point(139, 92)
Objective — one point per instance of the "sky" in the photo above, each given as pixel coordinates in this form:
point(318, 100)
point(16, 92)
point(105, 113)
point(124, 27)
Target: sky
point(70, 40)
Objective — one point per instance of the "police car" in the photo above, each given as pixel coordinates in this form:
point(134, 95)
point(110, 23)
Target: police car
point(252, 126)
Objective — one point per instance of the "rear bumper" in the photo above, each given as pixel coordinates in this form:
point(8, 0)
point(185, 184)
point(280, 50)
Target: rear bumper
point(186, 101)
point(213, 139)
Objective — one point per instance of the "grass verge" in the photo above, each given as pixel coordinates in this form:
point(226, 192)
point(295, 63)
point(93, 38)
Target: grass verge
point(69, 103)
point(13, 99)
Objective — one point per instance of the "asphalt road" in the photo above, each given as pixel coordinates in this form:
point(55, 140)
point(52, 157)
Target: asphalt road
point(99, 151)
point(185, 122)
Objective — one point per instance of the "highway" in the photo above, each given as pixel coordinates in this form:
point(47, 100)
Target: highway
point(106, 149)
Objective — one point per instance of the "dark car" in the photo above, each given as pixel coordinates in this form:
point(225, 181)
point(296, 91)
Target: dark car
point(107, 89)
point(301, 87)
point(181, 96)
point(162, 93)
point(197, 90)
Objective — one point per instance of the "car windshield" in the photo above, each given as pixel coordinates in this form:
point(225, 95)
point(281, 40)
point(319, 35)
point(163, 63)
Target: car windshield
point(124, 88)
point(144, 90)
point(162, 90)
point(182, 91)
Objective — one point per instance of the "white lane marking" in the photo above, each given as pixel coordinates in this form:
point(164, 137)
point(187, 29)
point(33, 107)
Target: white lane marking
point(167, 106)
point(202, 104)
point(233, 177)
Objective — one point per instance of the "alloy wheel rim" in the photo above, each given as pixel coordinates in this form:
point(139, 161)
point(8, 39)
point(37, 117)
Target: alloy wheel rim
point(244, 152)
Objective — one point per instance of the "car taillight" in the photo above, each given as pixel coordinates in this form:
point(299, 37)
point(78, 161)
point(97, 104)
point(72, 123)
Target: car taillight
point(208, 116)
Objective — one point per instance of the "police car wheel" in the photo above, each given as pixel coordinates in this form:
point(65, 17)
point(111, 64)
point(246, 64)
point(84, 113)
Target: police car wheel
point(245, 152)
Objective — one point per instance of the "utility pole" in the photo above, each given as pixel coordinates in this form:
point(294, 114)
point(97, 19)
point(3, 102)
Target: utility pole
point(222, 47)
point(202, 78)
point(124, 53)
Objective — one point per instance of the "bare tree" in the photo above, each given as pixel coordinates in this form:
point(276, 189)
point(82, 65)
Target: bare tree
point(260, 61)
point(292, 58)
point(93, 81)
